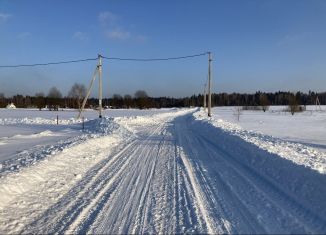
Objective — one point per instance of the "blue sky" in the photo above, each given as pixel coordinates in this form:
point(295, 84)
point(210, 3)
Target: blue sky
point(257, 45)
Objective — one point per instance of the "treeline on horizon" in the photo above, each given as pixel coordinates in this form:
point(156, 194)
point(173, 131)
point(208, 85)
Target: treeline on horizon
point(143, 101)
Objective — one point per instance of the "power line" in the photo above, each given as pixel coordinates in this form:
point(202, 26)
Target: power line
point(45, 64)
point(155, 59)
point(104, 57)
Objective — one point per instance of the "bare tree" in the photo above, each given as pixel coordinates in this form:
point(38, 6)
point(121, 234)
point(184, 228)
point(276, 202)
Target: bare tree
point(54, 98)
point(264, 102)
point(54, 93)
point(293, 104)
point(39, 100)
point(140, 94)
point(142, 99)
point(238, 112)
point(77, 93)
point(2, 100)
point(117, 101)
point(128, 101)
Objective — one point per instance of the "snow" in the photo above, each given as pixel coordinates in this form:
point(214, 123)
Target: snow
point(307, 127)
point(11, 106)
point(249, 128)
point(161, 171)
point(23, 129)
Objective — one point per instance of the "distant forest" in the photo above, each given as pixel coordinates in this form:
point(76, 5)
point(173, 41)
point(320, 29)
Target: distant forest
point(142, 100)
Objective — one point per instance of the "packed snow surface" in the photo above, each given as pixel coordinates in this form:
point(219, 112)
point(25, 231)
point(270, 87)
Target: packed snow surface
point(168, 171)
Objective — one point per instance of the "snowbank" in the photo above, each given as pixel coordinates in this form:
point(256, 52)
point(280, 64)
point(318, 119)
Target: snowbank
point(38, 120)
point(93, 129)
point(296, 152)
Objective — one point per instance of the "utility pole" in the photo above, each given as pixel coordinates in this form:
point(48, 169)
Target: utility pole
point(100, 86)
point(209, 84)
point(205, 97)
point(98, 70)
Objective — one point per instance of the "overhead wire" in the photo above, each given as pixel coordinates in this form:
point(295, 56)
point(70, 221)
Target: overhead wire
point(104, 57)
point(49, 63)
point(155, 59)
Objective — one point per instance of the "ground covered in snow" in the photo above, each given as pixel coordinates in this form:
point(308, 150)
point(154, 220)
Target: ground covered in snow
point(307, 127)
point(160, 171)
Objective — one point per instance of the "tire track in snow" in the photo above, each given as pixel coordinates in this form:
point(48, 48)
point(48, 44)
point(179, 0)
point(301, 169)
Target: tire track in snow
point(242, 198)
point(81, 220)
point(132, 187)
point(172, 178)
point(66, 210)
point(144, 206)
point(141, 201)
point(277, 198)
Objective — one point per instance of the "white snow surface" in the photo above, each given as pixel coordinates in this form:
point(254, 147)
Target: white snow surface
point(164, 171)
point(307, 127)
point(300, 138)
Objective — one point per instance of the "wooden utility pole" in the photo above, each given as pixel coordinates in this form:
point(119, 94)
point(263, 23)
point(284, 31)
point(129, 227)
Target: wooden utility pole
point(209, 84)
point(98, 71)
point(100, 86)
point(204, 97)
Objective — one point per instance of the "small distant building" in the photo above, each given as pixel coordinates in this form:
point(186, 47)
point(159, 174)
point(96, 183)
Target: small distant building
point(11, 106)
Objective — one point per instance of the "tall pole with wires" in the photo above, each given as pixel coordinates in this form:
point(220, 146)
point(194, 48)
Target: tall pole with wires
point(209, 84)
point(100, 86)
point(204, 97)
point(98, 71)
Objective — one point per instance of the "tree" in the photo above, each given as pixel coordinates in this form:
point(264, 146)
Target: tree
point(140, 94)
point(19, 101)
point(128, 101)
point(264, 102)
point(117, 101)
point(238, 112)
point(2, 100)
point(39, 100)
point(54, 98)
point(54, 93)
point(142, 99)
point(293, 104)
point(77, 93)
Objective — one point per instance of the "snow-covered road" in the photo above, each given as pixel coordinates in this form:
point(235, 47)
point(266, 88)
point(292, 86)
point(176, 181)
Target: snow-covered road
point(168, 173)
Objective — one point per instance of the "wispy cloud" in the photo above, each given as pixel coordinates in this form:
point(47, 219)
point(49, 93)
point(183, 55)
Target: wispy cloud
point(293, 38)
point(80, 36)
point(114, 30)
point(107, 18)
point(118, 34)
point(4, 17)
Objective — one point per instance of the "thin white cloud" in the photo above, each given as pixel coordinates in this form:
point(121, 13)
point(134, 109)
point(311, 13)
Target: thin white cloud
point(80, 36)
point(118, 34)
point(292, 38)
point(113, 29)
point(4, 17)
point(107, 18)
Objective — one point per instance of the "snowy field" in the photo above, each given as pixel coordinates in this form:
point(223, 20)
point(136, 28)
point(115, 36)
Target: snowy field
point(307, 127)
point(163, 171)
point(21, 129)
